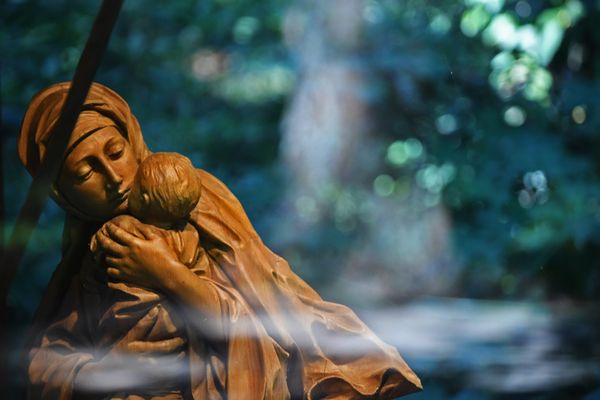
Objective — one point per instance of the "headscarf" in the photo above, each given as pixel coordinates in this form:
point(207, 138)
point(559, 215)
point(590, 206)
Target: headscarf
point(308, 330)
point(102, 107)
point(44, 110)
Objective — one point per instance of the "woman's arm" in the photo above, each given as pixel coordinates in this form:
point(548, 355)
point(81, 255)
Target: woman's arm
point(65, 359)
point(150, 262)
point(62, 349)
point(133, 365)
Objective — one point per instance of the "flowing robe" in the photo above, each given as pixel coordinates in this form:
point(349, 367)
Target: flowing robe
point(228, 355)
point(282, 325)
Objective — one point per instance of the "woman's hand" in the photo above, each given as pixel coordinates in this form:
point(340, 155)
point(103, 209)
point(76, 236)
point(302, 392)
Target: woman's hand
point(135, 365)
point(149, 262)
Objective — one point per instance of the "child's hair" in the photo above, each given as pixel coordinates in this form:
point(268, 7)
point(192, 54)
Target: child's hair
point(165, 188)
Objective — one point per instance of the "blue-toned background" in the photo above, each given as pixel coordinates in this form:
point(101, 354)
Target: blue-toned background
point(433, 164)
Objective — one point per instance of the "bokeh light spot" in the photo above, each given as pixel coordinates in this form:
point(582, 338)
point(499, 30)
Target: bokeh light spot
point(372, 12)
point(440, 24)
point(502, 60)
point(401, 152)
point(519, 73)
point(535, 180)
point(539, 85)
point(446, 124)
point(523, 9)
point(256, 85)
point(397, 154)
point(502, 31)
point(414, 148)
point(565, 18)
point(536, 189)
point(579, 114)
point(529, 39)
point(493, 6)
point(514, 116)
point(245, 28)
point(384, 185)
point(525, 199)
point(474, 20)
point(448, 173)
point(209, 64)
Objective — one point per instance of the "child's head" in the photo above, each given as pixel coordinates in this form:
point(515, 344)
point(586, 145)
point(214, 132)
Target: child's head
point(165, 189)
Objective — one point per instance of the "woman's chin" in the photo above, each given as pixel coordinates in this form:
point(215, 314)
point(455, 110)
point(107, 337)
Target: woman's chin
point(122, 208)
point(118, 209)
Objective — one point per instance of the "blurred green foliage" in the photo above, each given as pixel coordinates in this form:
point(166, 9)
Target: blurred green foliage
point(485, 105)
point(489, 108)
point(207, 79)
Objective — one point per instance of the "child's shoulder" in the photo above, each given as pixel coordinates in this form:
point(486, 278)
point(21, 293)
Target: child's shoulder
point(124, 220)
point(186, 242)
point(132, 225)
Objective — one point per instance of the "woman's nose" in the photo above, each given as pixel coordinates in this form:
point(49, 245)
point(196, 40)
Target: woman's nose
point(113, 179)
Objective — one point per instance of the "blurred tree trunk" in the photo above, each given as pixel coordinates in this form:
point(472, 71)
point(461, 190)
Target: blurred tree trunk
point(332, 153)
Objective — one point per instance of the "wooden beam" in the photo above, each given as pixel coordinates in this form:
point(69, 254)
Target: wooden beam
point(37, 195)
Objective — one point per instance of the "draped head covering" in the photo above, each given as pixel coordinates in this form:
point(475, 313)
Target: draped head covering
point(102, 108)
point(329, 352)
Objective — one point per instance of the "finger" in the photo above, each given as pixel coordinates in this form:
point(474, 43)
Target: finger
point(121, 236)
point(148, 231)
point(114, 272)
point(115, 261)
point(161, 346)
point(94, 243)
point(119, 264)
point(120, 284)
point(109, 245)
point(148, 321)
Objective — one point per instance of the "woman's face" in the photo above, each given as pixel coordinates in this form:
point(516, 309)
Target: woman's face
point(97, 174)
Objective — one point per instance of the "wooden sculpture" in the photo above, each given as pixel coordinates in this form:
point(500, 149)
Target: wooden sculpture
point(171, 292)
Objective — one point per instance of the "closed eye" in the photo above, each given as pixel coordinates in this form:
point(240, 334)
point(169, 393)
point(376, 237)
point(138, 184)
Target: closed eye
point(115, 148)
point(115, 155)
point(84, 176)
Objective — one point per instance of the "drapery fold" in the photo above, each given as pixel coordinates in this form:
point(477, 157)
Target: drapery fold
point(276, 322)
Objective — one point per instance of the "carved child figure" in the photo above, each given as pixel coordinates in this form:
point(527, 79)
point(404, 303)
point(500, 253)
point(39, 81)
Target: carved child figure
point(113, 317)
point(164, 191)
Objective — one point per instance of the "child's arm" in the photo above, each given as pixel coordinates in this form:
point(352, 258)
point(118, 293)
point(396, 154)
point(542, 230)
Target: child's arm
point(126, 222)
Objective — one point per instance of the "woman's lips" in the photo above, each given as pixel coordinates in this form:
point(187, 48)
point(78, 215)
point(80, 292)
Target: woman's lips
point(120, 197)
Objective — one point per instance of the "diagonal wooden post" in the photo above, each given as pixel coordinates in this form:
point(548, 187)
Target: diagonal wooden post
point(37, 195)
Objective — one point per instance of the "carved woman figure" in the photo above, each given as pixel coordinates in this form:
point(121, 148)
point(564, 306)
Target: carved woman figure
point(246, 327)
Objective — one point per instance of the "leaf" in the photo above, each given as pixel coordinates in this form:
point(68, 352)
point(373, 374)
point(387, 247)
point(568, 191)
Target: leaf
point(551, 38)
